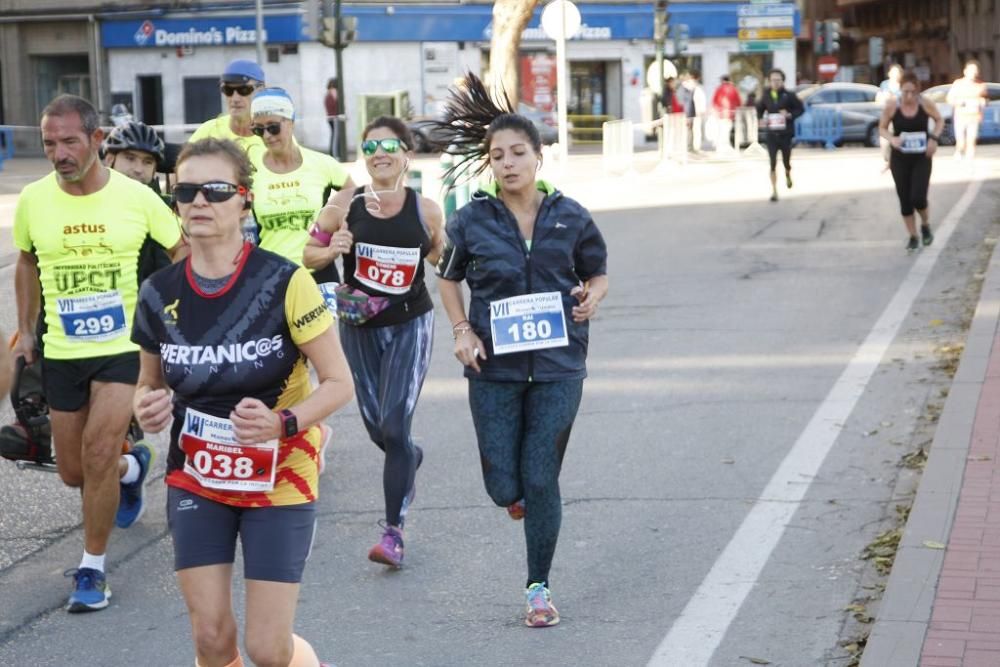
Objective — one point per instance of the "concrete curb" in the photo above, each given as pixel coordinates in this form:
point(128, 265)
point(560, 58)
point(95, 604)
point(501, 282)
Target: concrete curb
point(904, 615)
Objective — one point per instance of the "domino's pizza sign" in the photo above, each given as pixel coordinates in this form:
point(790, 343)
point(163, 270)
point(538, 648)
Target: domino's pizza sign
point(144, 32)
point(216, 31)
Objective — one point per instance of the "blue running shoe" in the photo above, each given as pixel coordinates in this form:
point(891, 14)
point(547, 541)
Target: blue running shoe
point(131, 504)
point(90, 590)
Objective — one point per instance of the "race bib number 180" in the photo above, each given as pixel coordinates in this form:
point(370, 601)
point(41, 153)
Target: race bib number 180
point(384, 268)
point(92, 318)
point(217, 461)
point(528, 322)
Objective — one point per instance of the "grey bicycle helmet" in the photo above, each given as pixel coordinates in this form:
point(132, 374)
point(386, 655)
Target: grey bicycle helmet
point(136, 136)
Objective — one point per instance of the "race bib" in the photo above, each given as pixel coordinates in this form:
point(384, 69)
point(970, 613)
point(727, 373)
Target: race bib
point(92, 318)
point(528, 322)
point(328, 290)
point(775, 121)
point(385, 268)
point(913, 142)
point(214, 458)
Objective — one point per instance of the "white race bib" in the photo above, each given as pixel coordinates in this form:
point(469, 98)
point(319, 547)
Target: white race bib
point(775, 121)
point(328, 290)
point(528, 322)
point(913, 142)
point(384, 268)
point(214, 458)
point(94, 317)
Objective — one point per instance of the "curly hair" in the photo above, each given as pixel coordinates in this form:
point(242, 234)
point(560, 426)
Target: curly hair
point(228, 150)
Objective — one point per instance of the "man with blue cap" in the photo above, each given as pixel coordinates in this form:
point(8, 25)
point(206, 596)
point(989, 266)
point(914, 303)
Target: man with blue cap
point(240, 82)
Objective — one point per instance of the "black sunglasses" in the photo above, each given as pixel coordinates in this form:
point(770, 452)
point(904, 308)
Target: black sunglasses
point(271, 128)
point(214, 192)
point(245, 90)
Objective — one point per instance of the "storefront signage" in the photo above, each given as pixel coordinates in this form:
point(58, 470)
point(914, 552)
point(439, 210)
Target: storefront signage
point(221, 31)
point(766, 27)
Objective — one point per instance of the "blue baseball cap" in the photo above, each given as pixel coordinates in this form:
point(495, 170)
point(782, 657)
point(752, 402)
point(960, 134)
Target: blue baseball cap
point(242, 71)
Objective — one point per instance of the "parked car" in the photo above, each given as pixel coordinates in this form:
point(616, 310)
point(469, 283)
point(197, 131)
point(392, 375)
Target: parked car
point(429, 139)
point(856, 104)
point(939, 95)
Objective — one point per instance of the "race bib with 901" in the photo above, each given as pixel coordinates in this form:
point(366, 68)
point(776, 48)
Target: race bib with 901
point(217, 461)
point(776, 121)
point(94, 317)
point(384, 268)
point(528, 322)
point(329, 292)
point(913, 142)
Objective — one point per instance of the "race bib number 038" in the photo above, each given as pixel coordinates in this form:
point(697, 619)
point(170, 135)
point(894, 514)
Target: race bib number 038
point(92, 318)
point(528, 322)
point(386, 269)
point(214, 458)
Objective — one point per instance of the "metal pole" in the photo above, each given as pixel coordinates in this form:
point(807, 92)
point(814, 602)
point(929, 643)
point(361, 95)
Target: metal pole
point(660, 30)
point(338, 50)
point(562, 86)
point(260, 32)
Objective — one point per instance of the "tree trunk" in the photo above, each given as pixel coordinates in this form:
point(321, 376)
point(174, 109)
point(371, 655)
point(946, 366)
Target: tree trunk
point(510, 18)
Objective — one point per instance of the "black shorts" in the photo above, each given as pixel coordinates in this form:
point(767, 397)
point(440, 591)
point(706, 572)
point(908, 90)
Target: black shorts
point(67, 381)
point(276, 541)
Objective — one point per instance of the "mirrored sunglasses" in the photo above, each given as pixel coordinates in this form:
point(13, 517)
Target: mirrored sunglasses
point(214, 192)
point(389, 145)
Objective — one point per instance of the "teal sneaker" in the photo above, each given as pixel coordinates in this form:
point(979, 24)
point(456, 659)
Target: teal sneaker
point(541, 613)
point(90, 590)
point(131, 503)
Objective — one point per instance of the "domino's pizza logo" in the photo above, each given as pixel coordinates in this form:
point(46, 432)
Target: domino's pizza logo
point(144, 32)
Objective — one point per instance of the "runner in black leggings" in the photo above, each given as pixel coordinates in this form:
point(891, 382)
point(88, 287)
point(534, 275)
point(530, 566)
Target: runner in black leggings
point(913, 146)
point(777, 109)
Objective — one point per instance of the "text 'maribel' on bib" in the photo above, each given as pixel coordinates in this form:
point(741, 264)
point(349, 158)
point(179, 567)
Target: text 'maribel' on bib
point(528, 322)
point(94, 317)
point(214, 458)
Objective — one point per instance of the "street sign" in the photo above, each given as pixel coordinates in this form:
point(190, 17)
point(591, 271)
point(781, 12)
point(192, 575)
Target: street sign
point(766, 10)
point(766, 33)
point(766, 45)
point(766, 22)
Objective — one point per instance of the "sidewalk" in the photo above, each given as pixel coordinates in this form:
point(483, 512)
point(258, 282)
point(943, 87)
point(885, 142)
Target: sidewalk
point(941, 607)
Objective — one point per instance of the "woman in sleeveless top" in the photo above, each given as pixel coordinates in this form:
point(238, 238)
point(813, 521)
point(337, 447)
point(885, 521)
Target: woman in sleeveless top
point(913, 146)
point(385, 232)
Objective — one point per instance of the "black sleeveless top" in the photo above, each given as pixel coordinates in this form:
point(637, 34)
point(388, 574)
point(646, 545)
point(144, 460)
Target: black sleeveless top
point(917, 123)
point(387, 259)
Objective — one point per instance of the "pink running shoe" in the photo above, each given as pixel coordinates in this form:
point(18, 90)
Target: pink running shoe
point(389, 550)
point(541, 613)
point(516, 510)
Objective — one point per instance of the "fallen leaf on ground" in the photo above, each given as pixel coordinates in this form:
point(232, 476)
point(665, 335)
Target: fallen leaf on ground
point(756, 661)
point(931, 544)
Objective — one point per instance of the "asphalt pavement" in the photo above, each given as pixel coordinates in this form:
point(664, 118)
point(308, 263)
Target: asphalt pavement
point(757, 373)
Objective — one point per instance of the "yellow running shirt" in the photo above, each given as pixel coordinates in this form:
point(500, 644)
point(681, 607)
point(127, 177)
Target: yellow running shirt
point(285, 205)
point(88, 256)
point(218, 128)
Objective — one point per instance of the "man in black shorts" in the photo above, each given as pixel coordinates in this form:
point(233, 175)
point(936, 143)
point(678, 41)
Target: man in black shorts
point(777, 109)
point(79, 231)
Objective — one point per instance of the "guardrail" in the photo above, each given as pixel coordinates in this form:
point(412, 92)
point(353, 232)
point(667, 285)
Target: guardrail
point(617, 150)
point(990, 127)
point(6, 144)
point(587, 129)
point(824, 126)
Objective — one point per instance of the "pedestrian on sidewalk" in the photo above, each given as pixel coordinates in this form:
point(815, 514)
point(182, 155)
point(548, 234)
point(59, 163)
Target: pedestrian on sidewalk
point(332, 104)
point(536, 267)
point(778, 108)
point(967, 96)
point(913, 147)
point(695, 109)
point(725, 102)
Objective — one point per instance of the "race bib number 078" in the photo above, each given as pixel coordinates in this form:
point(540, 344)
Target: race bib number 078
point(528, 322)
point(214, 458)
point(384, 268)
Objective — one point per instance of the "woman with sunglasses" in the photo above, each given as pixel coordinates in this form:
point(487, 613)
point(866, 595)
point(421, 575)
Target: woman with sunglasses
point(913, 147)
point(225, 337)
point(291, 183)
point(536, 266)
point(384, 232)
point(240, 82)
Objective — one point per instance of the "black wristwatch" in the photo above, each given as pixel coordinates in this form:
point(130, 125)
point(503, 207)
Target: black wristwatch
point(289, 423)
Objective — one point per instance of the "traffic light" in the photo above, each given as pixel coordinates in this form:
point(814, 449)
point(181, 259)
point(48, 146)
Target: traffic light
point(819, 38)
point(328, 32)
point(681, 31)
point(832, 38)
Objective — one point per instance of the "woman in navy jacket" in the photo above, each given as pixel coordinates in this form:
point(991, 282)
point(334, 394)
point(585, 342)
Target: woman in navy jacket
point(536, 267)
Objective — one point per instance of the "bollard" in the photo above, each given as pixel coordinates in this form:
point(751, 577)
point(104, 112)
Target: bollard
point(617, 146)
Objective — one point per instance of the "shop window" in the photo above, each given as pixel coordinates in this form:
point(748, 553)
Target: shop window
point(202, 100)
point(273, 54)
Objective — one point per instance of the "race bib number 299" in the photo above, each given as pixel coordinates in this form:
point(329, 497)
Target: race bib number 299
point(528, 322)
point(92, 318)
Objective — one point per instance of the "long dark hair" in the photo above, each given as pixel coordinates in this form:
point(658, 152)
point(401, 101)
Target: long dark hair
point(472, 116)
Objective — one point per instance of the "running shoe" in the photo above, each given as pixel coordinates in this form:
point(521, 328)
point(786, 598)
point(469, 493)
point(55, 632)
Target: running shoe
point(774, 196)
point(516, 510)
point(325, 432)
point(913, 244)
point(90, 590)
point(412, 493)
point(788, 181)
point(389, 550)
point(131, 503)
point(928, 236)
point(541, 613)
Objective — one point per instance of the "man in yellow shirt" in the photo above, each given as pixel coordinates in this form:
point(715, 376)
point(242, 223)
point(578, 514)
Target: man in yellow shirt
point(240, 82)
point(79, 231)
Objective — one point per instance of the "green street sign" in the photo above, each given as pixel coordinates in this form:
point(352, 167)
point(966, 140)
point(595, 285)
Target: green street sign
point(756, 46)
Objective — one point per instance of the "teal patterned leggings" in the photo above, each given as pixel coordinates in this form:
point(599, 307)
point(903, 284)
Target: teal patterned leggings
point(523, 429)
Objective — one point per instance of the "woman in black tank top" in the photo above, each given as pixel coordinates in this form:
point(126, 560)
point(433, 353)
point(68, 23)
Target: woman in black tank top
point(913, 146)
point(385, 232)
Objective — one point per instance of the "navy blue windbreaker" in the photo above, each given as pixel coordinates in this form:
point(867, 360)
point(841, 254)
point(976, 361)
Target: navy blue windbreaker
point(485, 248)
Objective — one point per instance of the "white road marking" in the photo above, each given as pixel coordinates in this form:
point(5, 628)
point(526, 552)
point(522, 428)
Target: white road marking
point(702, 625)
